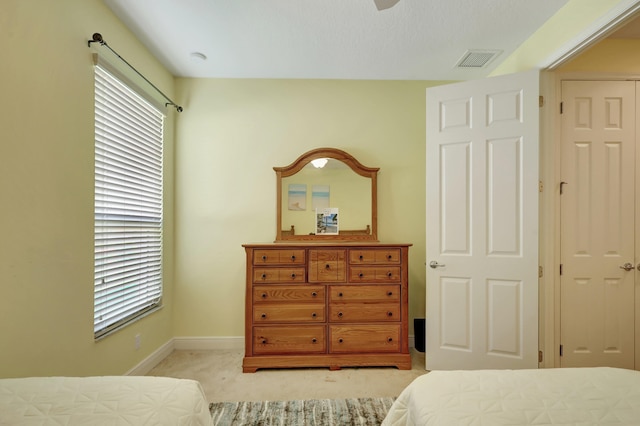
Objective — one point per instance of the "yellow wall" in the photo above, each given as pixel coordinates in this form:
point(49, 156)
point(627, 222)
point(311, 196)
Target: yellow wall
point(46, 192)
point(557, 33)
point(231, 135)
point(233, 132)
point(615, 56)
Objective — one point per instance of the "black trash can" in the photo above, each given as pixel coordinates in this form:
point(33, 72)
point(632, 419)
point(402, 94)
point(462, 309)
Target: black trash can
point(418, 330)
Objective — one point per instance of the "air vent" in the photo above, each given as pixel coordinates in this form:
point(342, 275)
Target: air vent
point(477, 58)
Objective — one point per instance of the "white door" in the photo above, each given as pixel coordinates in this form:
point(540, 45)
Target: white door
point(597, 224)
point(482, 224)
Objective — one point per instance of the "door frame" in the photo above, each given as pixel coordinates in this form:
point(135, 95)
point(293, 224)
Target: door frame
point(550, 175)
point(549, 205)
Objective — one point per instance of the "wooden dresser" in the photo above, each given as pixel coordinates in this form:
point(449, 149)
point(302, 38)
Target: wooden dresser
point(322, 304)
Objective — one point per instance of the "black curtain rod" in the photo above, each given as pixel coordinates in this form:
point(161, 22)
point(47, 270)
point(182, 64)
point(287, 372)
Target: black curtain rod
point(97, 38)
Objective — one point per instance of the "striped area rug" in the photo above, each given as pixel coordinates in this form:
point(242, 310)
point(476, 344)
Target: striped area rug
point(310, 412)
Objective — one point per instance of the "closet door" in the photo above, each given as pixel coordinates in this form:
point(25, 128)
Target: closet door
point(597, 322)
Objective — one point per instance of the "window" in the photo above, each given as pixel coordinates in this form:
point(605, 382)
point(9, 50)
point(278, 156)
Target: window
point(128, 204)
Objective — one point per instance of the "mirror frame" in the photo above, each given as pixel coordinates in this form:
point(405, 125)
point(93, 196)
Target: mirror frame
point(369, 234)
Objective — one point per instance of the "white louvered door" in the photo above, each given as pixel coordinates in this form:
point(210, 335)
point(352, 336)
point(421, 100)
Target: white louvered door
point(482, 224)
point(598, 224)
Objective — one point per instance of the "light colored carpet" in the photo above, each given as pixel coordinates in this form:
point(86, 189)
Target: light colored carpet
point(221, 376)
point(314, 412)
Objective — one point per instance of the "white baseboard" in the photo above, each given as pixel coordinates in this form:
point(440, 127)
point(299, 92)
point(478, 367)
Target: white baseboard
point(208, 343)
point(152, 360)
point(197, 344)
point(185, 343)
point(229, 343)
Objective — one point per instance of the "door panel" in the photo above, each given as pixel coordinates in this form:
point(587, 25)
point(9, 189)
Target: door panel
point(505, 319)
point(597, 224)
point(482, 224)
point(456, 198)
point(455, 314)
point(504, 198)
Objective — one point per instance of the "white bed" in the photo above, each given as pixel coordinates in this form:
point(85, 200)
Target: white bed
point(109, 400)
point(562, 396)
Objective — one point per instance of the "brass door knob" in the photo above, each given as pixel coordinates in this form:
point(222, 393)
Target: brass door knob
point(627, 266)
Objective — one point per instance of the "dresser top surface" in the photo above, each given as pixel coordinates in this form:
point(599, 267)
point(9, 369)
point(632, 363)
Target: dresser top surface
point(325, 245)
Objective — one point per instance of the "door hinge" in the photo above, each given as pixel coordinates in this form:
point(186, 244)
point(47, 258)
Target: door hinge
point(540, 186)
point(540, 271)
point(561, 269)
point(540, 101)
point(560, 350)
point(540, 357)
point(561, 105)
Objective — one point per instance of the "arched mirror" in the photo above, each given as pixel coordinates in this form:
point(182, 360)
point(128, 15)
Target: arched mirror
point(326, 195)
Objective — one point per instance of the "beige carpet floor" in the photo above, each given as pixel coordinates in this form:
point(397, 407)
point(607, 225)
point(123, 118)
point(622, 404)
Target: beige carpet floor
point(221, 376)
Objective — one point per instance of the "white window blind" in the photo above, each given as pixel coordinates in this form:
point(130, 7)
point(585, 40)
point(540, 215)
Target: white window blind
point(128, 204)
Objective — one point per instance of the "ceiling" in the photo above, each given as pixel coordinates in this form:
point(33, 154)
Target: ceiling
point(331, 39)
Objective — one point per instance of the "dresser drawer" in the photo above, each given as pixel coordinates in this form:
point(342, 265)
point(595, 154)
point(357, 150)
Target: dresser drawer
point(364, 312)
point(280, 293)
point(289, 339)
point(364, 338)
point(279, 257)
point(374, 256)
point(374, 274)
point(327, 265)
point(362, 293)
point(278, 275)
point(289, 312)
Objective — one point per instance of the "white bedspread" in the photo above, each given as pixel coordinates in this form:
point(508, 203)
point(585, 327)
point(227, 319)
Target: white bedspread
point(562, 396)
point(110, 400)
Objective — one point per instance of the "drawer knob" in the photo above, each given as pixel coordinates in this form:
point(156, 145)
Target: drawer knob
point(390, 293)
point(264, 276)
point(293, 257)
point(389, 314)
point(264, 257)
point(340, 314)
point(327, 266)
point(263, 316)
point(314, 340)
point(389, 257)
point(340, 294)
point(361, 257)
point(389, 274)
point(390, 339)
point(313, 315)
point(314, 294)
point(293, 275)
point(263, 341)
point(264, 295)
point(361, 275)
point(340, 340)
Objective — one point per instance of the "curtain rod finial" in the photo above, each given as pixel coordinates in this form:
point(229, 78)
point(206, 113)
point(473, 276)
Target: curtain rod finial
point(96, 38)
point(177, 107)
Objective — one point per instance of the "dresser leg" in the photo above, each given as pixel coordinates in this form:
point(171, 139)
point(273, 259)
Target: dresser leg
point(334, 368)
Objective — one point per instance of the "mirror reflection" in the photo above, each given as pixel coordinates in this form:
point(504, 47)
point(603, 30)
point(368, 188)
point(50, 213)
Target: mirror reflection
point(333, 186)
point(326, 194)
